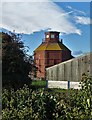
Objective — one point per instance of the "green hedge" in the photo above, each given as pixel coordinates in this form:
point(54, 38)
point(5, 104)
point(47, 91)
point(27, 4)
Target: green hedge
point(46, 104)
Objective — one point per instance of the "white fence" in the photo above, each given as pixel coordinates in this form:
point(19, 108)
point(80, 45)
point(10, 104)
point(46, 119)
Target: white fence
point(63, 84)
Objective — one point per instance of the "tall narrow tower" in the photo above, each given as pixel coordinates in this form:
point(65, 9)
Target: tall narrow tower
point(50, 52)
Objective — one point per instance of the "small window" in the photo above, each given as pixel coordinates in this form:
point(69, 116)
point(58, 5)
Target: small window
point(47, 36)
point(52, 36)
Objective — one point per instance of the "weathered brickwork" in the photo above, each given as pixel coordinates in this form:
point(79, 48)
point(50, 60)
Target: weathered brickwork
point(51, 52)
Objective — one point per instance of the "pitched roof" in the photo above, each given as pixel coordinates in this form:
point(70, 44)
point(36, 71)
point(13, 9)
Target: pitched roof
point(51, 46)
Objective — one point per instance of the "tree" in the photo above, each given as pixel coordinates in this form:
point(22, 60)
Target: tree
point(16, 63)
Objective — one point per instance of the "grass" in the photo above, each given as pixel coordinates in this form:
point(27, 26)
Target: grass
point(39, 84)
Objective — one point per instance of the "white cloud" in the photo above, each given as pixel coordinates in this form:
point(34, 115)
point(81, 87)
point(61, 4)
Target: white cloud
point(75, 10)
point(83, 20)
point(35, 16)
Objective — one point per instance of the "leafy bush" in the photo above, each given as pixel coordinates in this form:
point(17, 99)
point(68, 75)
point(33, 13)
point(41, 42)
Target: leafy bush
point(81, 102)
point(17, 105)
point(44, 104)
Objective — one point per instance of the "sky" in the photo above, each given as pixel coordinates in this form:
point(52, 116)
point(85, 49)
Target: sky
point(32, 19)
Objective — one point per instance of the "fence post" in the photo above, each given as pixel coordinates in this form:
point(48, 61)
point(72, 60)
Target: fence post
point(46, 83)
point(68, 84)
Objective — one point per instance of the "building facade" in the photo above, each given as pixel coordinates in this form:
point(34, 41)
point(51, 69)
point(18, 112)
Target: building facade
point(51, 52)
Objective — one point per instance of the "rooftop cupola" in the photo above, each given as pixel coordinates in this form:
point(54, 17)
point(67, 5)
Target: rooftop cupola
point(52, 37)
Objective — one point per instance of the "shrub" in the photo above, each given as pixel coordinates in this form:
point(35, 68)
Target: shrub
point(17, 105)
point(43, 104)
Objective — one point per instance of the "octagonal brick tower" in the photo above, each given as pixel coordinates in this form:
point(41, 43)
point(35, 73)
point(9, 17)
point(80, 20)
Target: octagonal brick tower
point(50, 52)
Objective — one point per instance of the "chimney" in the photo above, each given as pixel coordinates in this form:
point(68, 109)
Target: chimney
point(61, 41)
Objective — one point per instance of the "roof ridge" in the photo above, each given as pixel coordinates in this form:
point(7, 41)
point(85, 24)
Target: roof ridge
point(63, 45)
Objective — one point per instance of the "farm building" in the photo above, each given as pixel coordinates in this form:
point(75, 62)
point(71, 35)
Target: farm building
point(51, 52)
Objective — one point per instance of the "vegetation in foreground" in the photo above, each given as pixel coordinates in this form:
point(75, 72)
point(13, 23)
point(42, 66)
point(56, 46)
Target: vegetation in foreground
point(44, 104)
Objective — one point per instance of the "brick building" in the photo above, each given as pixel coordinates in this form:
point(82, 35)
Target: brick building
point(51, 52)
